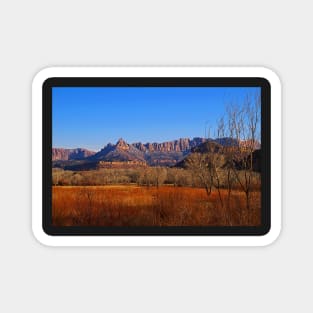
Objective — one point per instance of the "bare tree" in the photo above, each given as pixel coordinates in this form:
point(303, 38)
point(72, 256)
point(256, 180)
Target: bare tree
point(198, 163)
point(244, 127)
point(173, 175)
point(159, 175)
point(230, 160)
point(224, 133)
point(56, 176)
point(146, 177)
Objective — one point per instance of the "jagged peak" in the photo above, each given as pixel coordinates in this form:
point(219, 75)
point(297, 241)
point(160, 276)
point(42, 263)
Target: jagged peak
point(121, 141)
point(122, 144)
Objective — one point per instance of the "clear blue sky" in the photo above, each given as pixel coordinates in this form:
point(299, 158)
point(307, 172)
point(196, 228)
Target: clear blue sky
point(91, 117)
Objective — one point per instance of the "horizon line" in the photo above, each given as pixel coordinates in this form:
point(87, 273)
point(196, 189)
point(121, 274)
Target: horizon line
point(151, 142)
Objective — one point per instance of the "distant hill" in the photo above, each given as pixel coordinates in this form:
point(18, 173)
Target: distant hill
point(70, 154)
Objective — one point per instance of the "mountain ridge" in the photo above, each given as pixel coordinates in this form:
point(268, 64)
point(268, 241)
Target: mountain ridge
point(70, 154)
point(168, 153)
point(177, 145)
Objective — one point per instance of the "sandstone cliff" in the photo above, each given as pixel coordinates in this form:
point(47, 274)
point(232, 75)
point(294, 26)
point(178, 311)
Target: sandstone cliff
point(179, 145)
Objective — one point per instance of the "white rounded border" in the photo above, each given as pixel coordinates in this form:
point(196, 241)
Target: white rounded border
point(276, 148)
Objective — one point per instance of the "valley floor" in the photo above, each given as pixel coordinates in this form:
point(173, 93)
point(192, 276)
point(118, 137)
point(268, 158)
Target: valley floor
point(129, 205)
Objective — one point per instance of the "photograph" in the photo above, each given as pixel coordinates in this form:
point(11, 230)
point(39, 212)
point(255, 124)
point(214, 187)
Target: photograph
point(134, 156)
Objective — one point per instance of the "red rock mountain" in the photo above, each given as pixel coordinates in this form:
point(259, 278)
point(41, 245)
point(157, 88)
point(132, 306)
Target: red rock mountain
point(70, 154)
point(167, 153)
point(121, 151)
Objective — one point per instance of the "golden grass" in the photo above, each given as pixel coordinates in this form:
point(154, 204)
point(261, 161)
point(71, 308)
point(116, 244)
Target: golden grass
point(142, 206)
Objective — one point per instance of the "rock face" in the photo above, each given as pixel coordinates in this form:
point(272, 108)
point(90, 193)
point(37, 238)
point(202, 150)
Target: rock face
point(70, 154)
point(250, 144)
point(179, 145)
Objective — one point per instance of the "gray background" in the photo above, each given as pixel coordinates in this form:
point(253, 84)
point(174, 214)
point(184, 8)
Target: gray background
point(37, 34)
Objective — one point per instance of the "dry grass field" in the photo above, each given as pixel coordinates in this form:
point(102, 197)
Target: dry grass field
point(130, 205)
